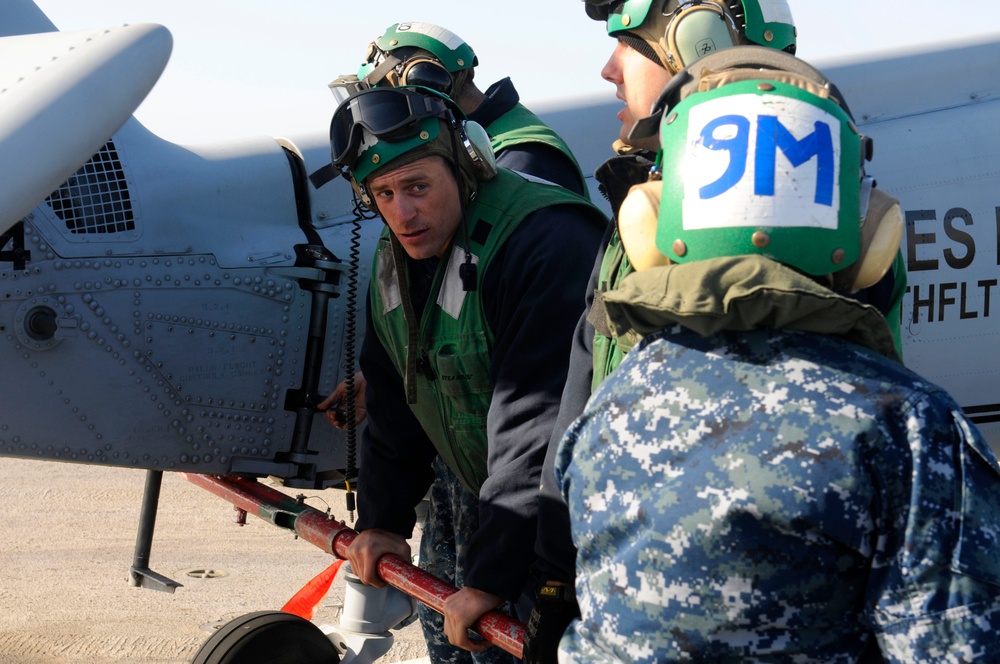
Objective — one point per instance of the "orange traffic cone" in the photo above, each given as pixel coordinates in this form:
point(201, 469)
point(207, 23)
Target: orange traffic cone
point(304, 602)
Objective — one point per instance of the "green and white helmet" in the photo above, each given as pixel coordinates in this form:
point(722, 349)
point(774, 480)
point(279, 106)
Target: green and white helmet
point(675, 33)
point(420, 54)
point(380, 129)
point(760, 161)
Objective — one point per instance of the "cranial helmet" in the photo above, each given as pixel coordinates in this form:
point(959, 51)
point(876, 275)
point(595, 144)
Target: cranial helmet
point(421, 54)
point(761, 156)
point(675, 33)
point(381, 127)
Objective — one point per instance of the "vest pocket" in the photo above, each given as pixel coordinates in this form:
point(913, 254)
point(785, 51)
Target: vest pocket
point(464, 378)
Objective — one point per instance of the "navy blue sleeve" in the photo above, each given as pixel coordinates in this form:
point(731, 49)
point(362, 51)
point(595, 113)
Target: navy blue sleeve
point(554, 544)
point(533, 296)
point(393, 442)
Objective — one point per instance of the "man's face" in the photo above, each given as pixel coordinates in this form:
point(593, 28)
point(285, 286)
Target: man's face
point(639, 81)
point(420, 203)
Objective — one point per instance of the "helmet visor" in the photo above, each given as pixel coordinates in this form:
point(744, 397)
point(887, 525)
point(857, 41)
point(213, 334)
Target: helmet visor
point(392, 114)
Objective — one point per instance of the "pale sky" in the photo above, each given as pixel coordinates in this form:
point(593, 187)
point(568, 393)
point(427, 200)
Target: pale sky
point(260, 67)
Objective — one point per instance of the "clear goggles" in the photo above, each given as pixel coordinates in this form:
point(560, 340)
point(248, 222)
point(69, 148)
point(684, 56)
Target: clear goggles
point(344, 86)
point(392, 114)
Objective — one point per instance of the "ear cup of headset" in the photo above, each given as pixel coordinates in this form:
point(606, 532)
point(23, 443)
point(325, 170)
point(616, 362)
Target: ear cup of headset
point(427, 73)
point(638, 217)
point(881, 235)
point(479, 148)
point(698, 31)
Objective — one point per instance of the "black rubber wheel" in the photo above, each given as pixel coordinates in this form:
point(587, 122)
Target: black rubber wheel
point(268, 637)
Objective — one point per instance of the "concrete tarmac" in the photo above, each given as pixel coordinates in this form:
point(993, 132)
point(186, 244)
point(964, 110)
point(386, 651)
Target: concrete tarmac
point(68, 539)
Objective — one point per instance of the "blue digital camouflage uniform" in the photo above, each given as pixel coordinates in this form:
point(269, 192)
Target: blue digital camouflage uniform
point(776, 495)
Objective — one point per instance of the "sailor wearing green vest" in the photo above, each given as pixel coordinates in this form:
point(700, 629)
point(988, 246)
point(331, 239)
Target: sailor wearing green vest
point(427, 55)
point(654, 40)
point(477, 285)
point(424, 54)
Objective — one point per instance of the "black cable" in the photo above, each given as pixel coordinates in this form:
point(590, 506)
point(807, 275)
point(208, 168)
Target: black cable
point(361, 213)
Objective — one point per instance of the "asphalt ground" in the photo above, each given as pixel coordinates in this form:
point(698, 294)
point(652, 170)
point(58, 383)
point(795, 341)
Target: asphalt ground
point(68, 537)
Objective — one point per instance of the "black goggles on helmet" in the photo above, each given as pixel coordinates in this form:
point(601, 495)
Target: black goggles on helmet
point(406, 66)
point(599, 10)
point(392, 114)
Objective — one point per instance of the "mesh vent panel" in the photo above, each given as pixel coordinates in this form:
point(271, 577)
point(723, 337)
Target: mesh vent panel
point(95, 199)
